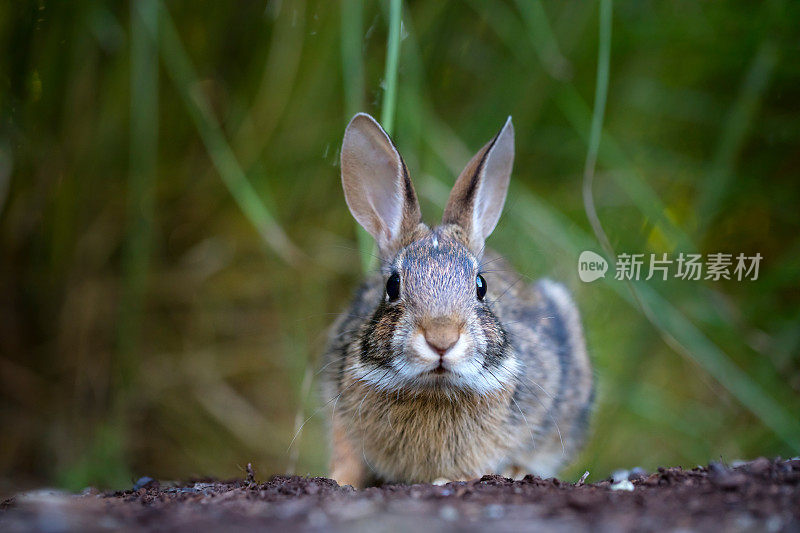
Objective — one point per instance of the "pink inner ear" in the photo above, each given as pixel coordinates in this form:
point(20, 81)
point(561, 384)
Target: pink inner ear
point(495, 177)
point(479, 193)
point(371, 175)
point(387, 203)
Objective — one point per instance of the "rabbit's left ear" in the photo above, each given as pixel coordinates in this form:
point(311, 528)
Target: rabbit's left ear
point(479, 193)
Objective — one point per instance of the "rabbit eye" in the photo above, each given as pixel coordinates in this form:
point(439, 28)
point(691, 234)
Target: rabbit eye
point(480, 286)
point(393, 286)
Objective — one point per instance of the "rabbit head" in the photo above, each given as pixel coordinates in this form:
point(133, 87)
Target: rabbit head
point(434, 327)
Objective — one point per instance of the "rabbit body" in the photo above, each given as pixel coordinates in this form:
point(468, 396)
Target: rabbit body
point(448, 365)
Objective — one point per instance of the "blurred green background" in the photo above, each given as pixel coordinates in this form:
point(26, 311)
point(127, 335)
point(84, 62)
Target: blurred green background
point(174, 241)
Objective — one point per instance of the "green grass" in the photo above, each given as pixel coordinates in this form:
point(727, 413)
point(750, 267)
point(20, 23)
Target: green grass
point(388, 108)
point(247, 198)
point(147, 329)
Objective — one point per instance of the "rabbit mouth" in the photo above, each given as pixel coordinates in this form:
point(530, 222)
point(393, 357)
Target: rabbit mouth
point(416, 367)
point(438, 362)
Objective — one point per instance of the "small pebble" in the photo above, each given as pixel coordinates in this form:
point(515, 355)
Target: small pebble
point(717, 468)
point(619, 475)
point(143, 482)
point(622, 485)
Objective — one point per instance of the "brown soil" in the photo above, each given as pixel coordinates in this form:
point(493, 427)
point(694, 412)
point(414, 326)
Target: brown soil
point(761, 495)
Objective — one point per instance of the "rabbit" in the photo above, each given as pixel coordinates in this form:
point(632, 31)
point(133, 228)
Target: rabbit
point(447, 365)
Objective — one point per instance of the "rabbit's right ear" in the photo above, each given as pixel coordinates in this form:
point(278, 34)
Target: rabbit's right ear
point(376, 185)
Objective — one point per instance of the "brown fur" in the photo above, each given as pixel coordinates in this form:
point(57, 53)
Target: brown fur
point(427, 435)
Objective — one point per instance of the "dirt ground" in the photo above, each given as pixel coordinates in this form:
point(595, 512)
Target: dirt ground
point(760, 495)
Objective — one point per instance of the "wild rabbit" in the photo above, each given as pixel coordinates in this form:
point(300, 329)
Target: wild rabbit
point(446, 364)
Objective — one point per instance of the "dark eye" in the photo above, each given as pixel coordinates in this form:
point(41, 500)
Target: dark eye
point(480, 286)
point(393, 286)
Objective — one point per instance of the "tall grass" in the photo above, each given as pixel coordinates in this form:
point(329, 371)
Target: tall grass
point(736, 127)
point(352, 32)
point(388, 108)
point(144, 331)
point(182, 74)
point(692, 343)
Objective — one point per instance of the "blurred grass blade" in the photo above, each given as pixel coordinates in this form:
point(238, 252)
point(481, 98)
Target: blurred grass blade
point(691, 342)
point(713, 189)
point(352, 31)
point(143, 165)
point(392, 64)
point(579, 114)
point(238, 416)
point(553, 228)
point(600, 95)
point(677, 331)
point(543, 39)
point(642, 195)
point(6, 167)
point(182, 73)
point(104, 460)
point(277, 81)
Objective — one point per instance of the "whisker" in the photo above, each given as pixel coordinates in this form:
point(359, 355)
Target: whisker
point(548, 410)
point(316, 412)
point(525, 419)
point(505, 291)
point(552, 418)
point(489, 262)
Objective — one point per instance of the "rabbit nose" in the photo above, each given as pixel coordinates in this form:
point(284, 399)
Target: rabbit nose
point(441, 336)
